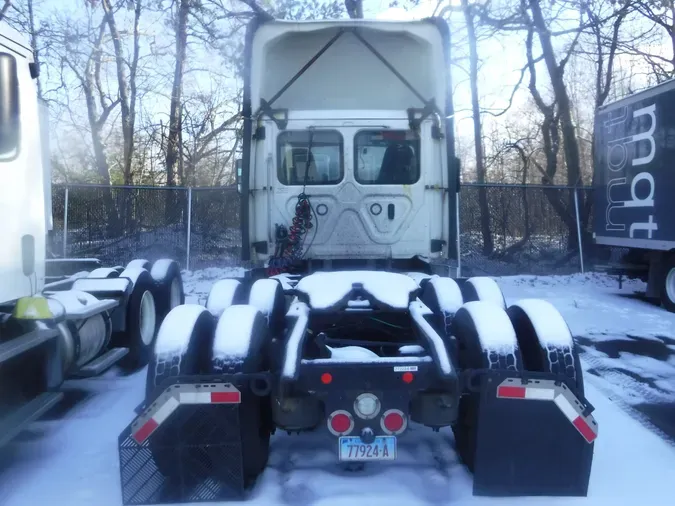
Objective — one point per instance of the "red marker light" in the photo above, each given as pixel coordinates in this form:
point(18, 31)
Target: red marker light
point(326, 378)
point(407, 377)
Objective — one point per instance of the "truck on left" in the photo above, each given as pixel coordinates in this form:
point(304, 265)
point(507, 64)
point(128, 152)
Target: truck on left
point(81, 325)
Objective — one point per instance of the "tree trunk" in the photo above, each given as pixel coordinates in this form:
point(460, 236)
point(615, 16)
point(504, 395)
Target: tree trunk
point(123, 86)
point(176, 93)
point(570, 143)
point(488, 244)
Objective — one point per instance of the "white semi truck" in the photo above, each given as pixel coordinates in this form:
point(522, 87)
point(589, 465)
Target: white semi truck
point(78, 326)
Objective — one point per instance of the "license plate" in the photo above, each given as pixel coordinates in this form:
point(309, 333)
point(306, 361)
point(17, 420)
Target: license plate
point(353, 449)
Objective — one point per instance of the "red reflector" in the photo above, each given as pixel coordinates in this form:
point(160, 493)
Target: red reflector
point(585, 430)
point(326, 378)
point(407, 377)
point(393, 422)
point(512, 392)
point(340, 423)
point(225, 397)
point(145, 431)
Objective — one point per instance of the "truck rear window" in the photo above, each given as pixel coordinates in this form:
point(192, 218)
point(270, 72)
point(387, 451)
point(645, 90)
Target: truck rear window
point(326, 165)
point(387, 157)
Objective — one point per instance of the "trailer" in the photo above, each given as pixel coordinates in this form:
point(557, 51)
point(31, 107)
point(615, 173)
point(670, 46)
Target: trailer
point(75, 325)
point(633, 185)
point(349, 325)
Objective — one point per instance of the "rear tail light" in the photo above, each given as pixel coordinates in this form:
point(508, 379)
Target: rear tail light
point(340, 422)
point(367, 406)
point(393, 422)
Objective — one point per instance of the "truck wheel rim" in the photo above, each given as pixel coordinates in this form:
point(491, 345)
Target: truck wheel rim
point(147, 323)
point(174, 294)
point(670, 285)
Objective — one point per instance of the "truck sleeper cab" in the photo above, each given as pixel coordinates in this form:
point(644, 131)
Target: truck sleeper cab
point(372, 105)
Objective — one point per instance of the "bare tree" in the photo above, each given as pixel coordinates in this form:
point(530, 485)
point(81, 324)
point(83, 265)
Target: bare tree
point(488, 244)
point(126, 84)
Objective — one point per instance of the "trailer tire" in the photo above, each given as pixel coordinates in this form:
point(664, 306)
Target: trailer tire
point(141, 329)
point(668, 284)
point(545, 341)
point(255, 412)
point(485, 289)
point(470, 335)
point(169, 289)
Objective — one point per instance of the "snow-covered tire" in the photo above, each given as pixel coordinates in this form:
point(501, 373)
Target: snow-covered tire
point(184, 345)
point(485, 289)
point(268, 296)
point(486, 340)
point(141, 318)
point(240, 340)
point(444, 297)
point(183, 348)
point(169, 290)
point(545, 341)
point(223, 294)
point(104, 272)
point(139, 263)
point(668, 284)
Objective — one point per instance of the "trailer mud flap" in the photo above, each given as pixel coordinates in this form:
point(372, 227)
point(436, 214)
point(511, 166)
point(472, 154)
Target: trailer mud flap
point(184, 447)
point(534, 438)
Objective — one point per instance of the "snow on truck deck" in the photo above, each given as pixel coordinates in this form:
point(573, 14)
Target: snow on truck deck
point(70, 457)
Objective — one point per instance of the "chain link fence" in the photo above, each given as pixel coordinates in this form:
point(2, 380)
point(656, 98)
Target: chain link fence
point(504, 229)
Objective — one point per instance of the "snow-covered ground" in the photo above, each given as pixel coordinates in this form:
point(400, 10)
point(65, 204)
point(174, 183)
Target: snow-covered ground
point(71, 458)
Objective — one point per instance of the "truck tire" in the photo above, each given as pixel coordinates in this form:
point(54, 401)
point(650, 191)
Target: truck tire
point(139, 263)
point(223, 294)
point(668, 284)
point(268, 296)
point(169, 290)
point(476, 324)
point(444, 297)
point(183, 348)
point(139, 336)
point(485, 289)
point(104, 272)
point(545, 341)
point(255, 411)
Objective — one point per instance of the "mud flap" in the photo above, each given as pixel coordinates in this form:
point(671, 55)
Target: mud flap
point(184, 447)
point(534, 438)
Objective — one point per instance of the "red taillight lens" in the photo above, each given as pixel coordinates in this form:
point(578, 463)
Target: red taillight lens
point(340, 423)
point(407, 377)
point(393, 421)
point(326, 378)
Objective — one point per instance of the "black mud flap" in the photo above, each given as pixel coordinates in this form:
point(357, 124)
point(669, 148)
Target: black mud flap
point(185, 447)
point(535, 438)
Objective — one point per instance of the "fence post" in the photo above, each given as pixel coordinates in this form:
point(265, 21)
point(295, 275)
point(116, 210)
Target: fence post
point(459, 234)
point(189, 228)
point(65, 225)
point(581, 246)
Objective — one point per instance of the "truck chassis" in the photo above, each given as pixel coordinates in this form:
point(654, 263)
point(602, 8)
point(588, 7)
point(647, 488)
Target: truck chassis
point(358, 356)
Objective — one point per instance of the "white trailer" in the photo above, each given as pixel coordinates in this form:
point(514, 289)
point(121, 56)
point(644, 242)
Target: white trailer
point(77, 327)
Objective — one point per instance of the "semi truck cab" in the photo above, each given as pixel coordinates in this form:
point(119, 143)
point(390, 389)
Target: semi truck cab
point(351, 124)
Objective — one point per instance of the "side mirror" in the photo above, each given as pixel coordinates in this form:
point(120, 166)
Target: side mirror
point(9, 104)
point(238, 164)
